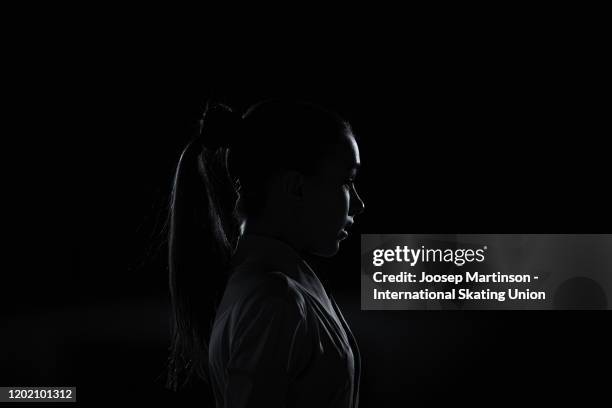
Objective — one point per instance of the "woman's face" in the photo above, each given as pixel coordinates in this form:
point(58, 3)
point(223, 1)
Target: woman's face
point(331, 201)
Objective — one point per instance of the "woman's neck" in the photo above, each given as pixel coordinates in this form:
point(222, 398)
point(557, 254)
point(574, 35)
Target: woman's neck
point(269, 229)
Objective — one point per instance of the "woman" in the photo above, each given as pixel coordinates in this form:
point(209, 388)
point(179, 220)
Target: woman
point(252, 195)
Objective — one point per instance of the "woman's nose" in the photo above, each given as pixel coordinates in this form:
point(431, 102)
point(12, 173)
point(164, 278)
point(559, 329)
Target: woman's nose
point(357, 204)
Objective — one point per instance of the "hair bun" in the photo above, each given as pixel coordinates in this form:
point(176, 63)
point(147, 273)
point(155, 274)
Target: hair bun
point(220, 126)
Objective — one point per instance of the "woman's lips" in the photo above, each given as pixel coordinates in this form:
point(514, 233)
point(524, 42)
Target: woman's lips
point(343, 234)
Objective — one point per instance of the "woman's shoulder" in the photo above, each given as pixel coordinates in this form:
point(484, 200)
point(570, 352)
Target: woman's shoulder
point(267, 288)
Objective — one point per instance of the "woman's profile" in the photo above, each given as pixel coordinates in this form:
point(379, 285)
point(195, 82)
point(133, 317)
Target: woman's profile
point(252, 195)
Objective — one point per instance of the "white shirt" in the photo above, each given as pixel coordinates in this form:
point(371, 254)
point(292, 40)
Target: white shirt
point(278, 340)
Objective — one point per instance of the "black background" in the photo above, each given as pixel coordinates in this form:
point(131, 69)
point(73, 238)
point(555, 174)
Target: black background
point(462, 129)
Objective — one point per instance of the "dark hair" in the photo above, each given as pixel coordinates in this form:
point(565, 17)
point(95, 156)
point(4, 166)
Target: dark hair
point(219, 181)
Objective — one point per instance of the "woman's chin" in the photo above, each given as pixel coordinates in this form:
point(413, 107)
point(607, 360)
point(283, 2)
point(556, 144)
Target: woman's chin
point(327, 251)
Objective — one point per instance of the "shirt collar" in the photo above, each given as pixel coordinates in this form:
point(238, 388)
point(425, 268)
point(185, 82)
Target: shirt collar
point(270, 251)
point(259, 252)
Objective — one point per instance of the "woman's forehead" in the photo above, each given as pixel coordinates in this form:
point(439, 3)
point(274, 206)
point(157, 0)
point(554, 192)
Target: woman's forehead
point(349, 153)
point(344, 157)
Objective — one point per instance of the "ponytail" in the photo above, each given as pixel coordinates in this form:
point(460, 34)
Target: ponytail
point(202, 235)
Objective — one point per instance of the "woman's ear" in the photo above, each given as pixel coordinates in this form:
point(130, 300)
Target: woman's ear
point(292, 184)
